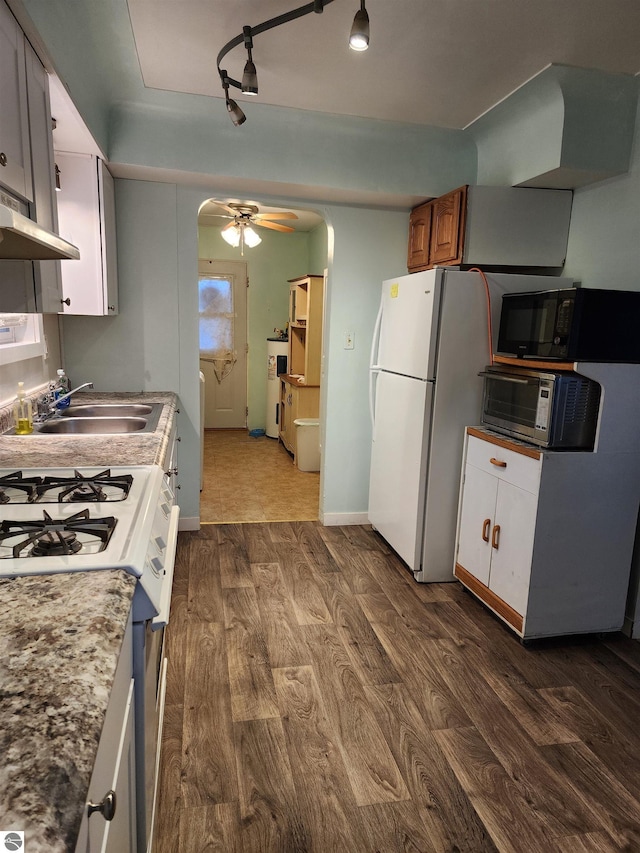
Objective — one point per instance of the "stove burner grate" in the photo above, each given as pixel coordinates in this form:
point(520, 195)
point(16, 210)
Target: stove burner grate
point(88, 488)
point(52, 537)
point(16, 481)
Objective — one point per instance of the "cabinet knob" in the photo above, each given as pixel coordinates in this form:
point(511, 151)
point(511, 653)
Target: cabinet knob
point(3, 158)
point(499, 463)
point(66, 301)
point(111, 307)
point(107, 807)
point(170, 472)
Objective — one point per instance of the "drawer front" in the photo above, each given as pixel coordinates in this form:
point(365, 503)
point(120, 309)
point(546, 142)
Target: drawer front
point(507, 465)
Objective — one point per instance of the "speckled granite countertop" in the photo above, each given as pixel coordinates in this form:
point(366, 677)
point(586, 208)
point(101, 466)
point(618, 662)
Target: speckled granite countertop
point(60, 637)
point(39, 451)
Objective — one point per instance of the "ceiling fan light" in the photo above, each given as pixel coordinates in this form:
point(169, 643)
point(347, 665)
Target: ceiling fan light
point(232, 236)
point(359, 37)
point(250, 78)
point(251, 237)
point(235, 113)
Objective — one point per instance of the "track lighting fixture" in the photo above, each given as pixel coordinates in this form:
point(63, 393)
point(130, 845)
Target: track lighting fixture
point(359, 37)
point(235, 113)
point(358, 40)
point(250, 75)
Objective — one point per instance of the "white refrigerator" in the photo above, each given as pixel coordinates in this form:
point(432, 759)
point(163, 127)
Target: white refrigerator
point(430, 342)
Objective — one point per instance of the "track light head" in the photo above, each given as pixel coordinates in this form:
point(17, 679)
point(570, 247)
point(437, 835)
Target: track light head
point(250, 78)
point(235, 113)
point(359, 37)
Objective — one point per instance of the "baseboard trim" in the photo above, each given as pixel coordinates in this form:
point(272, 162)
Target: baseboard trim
point(192, 523)
point(335, 519)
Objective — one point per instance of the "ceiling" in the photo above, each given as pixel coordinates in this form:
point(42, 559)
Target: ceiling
point(431, 62)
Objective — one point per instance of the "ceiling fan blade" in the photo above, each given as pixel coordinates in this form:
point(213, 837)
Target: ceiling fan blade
point(284, 215)
point(229, 225)
point(226, 207)
point(274, 226)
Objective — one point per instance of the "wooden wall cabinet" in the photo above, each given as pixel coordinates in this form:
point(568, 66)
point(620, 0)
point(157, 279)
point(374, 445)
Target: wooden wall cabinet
point(492, 227)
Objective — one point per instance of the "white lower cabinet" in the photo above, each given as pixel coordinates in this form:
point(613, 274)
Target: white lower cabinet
point(112, 786)
point(497, 520)
point(545, 538)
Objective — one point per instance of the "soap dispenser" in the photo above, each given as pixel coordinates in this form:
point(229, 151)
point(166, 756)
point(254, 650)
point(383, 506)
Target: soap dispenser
point(62, 388)
point(22, 413)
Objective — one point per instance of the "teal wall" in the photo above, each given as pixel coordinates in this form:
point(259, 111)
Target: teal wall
point(153, 343)
point(270, 265)
point(318, 249)
point(604, 244)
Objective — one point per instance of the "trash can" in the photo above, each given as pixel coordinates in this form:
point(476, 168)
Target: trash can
point(307, 444)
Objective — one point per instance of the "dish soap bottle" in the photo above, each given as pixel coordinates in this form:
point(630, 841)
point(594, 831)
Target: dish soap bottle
point(22, 413)
point(62, 388)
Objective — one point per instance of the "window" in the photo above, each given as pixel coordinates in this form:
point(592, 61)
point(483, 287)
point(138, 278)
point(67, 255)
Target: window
point(216, 323)
point(21, 337)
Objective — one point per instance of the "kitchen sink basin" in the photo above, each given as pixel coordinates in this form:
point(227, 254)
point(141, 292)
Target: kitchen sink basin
point(90, 426)
point(106, 410)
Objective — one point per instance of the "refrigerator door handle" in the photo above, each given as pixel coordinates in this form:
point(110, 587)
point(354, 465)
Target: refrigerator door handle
point(373, 367)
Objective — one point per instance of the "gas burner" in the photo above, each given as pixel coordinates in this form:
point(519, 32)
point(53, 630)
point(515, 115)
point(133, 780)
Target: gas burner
point(57, 537)
point(55, 545)
point(87, 492)
point(13, 483)
point(92, 487)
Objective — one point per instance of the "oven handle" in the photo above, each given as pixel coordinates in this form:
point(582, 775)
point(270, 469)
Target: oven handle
point(162, 619)
point(497, 376)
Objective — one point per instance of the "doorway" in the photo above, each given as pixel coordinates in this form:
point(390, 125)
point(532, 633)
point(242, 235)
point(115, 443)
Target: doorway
point(248, 476)
point(222, 322)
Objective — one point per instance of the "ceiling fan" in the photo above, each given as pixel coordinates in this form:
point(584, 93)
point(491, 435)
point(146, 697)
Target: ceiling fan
point(239, 231)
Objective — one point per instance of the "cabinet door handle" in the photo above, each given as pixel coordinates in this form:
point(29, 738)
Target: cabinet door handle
point(486, 524)
point(498, 462)
point(66, 301)
point(3, 159)
point(495, 537)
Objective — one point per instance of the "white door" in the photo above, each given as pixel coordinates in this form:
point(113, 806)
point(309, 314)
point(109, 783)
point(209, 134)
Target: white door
point(398, 462)
point(222, 292)
point(408, 333)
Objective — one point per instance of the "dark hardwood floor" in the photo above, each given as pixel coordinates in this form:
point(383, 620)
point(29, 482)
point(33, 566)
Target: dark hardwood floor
point(318, 699)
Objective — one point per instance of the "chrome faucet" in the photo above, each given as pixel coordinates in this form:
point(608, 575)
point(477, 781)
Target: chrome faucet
point(53, 406)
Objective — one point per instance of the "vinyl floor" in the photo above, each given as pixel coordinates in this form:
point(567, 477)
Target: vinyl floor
point(318, 699)
point(254, 479)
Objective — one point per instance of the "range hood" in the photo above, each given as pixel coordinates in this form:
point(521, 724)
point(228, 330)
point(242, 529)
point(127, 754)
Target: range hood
point(23, 239)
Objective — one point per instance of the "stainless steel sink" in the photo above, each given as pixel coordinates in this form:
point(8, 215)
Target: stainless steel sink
point(91, 426)
point(106, 410)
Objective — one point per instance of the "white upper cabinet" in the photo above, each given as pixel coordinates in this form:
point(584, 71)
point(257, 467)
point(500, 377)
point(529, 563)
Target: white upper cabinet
point(47, 281)
point(86, 216)
point(15, 159)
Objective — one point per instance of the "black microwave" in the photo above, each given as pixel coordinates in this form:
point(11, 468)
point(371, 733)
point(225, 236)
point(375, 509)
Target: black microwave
point(574, 324)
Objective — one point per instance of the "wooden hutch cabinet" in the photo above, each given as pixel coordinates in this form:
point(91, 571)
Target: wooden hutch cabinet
point(300, 388)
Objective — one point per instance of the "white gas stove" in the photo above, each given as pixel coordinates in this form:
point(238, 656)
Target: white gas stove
point(56, 520)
